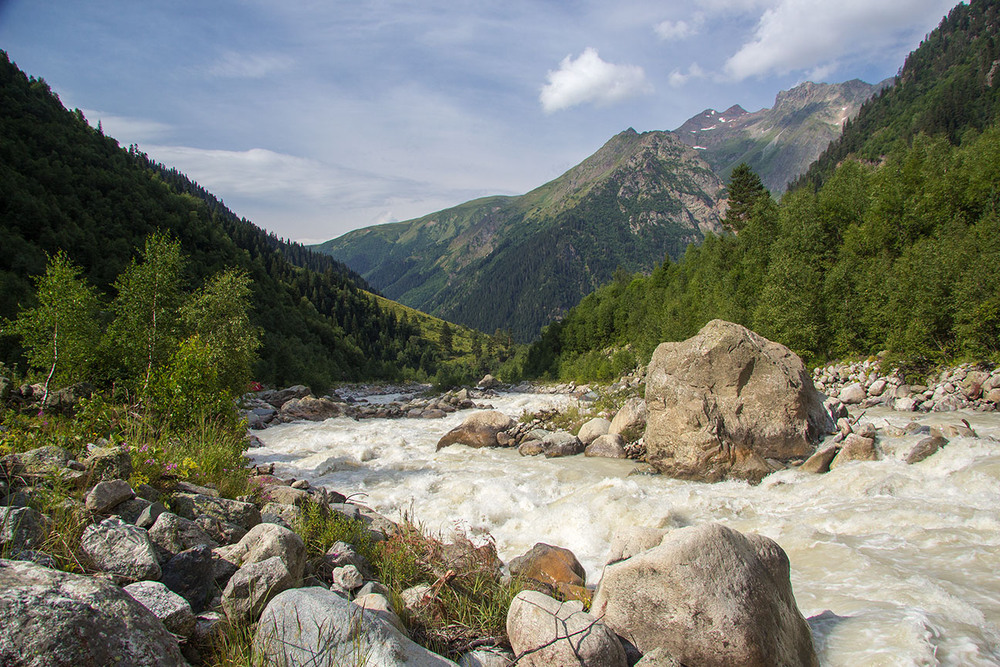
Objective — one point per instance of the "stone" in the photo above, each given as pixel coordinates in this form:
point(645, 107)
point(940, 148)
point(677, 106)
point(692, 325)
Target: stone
point(907, 404)
point(852, 394)
point(630, 419)
point(627, 541)
point(348, 578)
point(561, 443)
point(316, 627)
point(531, 448)
point(173, 534)
point(107, 463)
point(131, 510)
point(658, 657)
point(488, 382)
point(723, 401)
point(21, 528)
point(819, 462)
point(253, 586)
point(609, 446)
point(66, 399)
point(855, 448)
point(193, 505)
point(594, 428)
point(265, 541)
point(286, 495)
point(105, 496)
point(190, 574)
point(278, 397)
point(173, 610)
point(379, 605)
point(728, 594)
point(221, 531)
point(556, 568)
point(486, 657)
point(925, 448)
point(310, 408)
point(48, 618)
point(121, 548)
point(877, 387)
point(546, 633)
point(149, 515)
point(478, 430)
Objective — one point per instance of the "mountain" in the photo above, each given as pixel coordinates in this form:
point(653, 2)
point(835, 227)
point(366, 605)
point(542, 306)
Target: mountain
point(889, 246)
point(950, 85)
point(66, 186)
point(515, 263)
point(778, 143)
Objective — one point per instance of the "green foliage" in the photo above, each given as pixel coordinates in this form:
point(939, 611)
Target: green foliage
point(219, 315)
point(902, 257)
point(745, 192)
point(144, 331)
point(61, 333)
point(188, 386)
point(67, 187)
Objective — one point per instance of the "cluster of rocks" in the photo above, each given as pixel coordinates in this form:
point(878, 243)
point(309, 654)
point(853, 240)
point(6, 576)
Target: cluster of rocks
point(297, 403)
point(614, 438)
point(864, 384)
point(702, 595)
point(163, 579)
point(34, 396)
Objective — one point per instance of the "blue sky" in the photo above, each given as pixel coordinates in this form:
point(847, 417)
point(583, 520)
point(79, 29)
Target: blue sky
point(312, 117)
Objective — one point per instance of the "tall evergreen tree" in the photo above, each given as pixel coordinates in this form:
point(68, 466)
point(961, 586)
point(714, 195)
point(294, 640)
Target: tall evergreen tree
point(745, 191)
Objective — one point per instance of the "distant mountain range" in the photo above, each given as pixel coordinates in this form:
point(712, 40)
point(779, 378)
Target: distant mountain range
point(778, 143)
point(515, 263)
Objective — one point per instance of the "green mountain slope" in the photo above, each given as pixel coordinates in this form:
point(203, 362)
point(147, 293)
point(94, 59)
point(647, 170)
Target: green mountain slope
point(899, 253)
point(949, 85)
point(64, 185)
point(778, 143)
point(517, 262)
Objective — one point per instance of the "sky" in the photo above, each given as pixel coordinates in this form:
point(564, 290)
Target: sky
point(315, 117)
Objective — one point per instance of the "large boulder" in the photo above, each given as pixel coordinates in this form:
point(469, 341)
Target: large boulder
point(253, 586)
point(310, 408)
point(121, 548)
point(317, 627)
point(173, 610)
point(21, 528)
point(723, 401)
point(630, 419)
point(593, 429)
point(264, 541)
point(547, 633)
point(57, 619)
point(708, 595)
point(555, 568)
point(478, 430)
point(193, 505)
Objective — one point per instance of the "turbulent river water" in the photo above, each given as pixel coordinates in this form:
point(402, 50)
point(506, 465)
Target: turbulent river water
point(893, 564)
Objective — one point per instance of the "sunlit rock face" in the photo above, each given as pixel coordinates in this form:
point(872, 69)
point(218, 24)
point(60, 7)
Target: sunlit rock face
point(723, 401)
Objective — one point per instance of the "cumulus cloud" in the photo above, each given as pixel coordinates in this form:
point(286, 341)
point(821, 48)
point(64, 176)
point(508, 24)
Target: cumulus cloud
point(590, 79)
point(236, 65)
point(803, 35)
point(672, 30)
point(678, 78)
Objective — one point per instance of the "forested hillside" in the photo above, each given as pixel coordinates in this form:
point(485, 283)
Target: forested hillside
point(66, 186)
point(515, 263)
point(900, 253)
point(948, 86)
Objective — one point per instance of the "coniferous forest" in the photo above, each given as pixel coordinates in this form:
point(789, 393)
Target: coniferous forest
point(890, 243)
point(64, 186)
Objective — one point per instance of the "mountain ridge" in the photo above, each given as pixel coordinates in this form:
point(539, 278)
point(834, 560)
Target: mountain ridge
point(778, 143)
point(638, 198)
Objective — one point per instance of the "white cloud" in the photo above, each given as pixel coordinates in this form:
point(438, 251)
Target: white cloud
point(590, 79)
point(236, 65)
point(125, 128)
point(804, 35)
point(671, 30)
point(678, 78)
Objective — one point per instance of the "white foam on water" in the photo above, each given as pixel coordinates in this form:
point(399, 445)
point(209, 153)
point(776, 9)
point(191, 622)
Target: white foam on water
point(895, 563)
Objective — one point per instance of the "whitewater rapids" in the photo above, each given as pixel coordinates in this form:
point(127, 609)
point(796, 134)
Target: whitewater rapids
point(893, 564)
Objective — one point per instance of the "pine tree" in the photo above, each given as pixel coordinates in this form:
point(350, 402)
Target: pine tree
point(745, 191)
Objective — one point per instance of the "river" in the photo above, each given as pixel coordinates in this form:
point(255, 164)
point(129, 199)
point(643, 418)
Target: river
point(893, 564)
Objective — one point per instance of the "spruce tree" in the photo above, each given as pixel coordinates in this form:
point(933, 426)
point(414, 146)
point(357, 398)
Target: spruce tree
point(745, 191)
